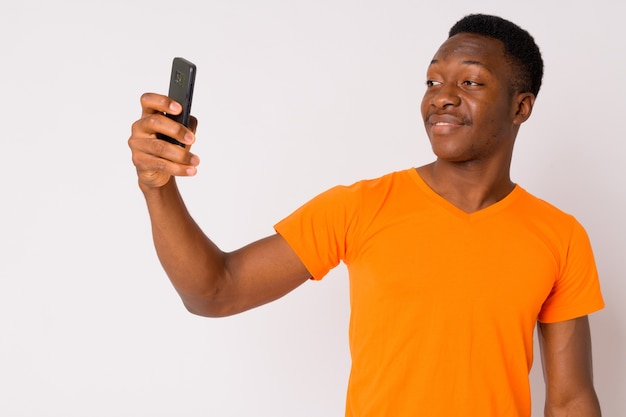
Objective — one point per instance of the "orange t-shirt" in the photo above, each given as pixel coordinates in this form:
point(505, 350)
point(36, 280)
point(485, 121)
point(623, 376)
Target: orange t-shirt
point(444, 303)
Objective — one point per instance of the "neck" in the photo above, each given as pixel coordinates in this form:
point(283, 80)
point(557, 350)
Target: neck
point(469, 186)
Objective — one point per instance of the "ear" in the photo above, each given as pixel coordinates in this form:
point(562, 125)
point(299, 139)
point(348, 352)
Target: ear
point(523, 107)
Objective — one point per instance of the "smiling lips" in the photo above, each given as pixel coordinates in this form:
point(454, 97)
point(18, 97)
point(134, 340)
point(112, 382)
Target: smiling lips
point(444, 123)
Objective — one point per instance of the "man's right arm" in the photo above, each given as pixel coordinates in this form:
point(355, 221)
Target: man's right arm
point(209, 281)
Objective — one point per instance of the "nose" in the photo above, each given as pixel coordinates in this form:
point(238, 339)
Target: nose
point(444, 95)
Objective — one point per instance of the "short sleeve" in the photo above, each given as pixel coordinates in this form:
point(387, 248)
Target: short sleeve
point(576, 292)
point(319, 230)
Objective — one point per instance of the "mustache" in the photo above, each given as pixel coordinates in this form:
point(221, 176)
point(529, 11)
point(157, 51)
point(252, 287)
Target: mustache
point(448, 117)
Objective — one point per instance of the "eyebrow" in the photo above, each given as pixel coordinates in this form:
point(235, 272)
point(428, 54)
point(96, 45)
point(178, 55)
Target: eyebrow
point(466, 62)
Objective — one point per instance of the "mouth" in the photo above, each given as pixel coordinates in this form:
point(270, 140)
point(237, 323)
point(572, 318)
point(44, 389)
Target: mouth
point(444, 119)
point(445, 123)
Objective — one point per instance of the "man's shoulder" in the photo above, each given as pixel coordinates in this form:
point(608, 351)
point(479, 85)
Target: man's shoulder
point(394, 178)
point(541, 209)
point(372, 192)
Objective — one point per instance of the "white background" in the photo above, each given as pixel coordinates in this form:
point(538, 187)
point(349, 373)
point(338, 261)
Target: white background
point(293, 97)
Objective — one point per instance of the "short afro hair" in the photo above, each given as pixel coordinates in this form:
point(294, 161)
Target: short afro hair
point(519, 46)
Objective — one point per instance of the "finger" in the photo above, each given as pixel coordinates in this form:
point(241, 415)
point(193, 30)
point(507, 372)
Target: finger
point(162, 149)
point(152, 103)
point(153, 155)
point(193, 124)
point(154, 124)
point(149, 165)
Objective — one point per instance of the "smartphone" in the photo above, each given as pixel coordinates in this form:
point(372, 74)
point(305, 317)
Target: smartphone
point(182, 81)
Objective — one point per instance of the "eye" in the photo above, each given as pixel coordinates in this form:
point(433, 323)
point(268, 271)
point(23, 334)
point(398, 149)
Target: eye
point(471, 83)
point(432, 83)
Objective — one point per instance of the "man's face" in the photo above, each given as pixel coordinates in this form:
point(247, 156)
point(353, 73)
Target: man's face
point(469, 107)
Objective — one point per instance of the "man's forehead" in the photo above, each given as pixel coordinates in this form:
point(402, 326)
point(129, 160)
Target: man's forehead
point(469, 47)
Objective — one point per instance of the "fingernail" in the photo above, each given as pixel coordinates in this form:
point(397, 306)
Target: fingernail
point(189, 138)
point(194, 160)
point(175, 107)
point(191, 171)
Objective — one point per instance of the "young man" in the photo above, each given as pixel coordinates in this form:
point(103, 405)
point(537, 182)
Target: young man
point(451, 264)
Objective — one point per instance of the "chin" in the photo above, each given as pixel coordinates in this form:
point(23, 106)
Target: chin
point(451, 154)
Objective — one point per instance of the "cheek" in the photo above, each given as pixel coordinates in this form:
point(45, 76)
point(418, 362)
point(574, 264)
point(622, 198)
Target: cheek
point(487, 114)
point(424, 106)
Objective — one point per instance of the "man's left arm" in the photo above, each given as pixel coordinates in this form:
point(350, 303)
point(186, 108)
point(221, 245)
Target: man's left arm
point(567, 368)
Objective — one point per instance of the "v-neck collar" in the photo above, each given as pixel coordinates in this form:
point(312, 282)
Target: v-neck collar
point(457, 212)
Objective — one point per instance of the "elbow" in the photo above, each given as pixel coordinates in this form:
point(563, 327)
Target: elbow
point(584, 402)
point(211, 301)
point(209, 306)
point(206, 309)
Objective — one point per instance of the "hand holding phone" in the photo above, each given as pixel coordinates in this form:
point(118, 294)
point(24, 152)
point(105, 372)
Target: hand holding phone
point(182, 80)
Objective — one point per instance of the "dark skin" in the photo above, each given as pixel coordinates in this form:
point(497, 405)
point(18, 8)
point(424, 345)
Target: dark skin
point(472, 116)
